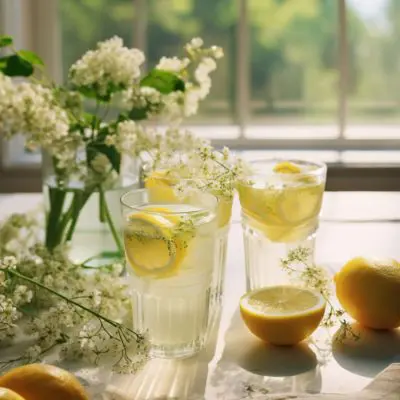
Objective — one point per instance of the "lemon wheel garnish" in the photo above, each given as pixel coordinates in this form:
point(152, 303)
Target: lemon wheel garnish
point(282, 315)
point(300, 204)
point(152, 245)
point(160, 188)
point(286, 167)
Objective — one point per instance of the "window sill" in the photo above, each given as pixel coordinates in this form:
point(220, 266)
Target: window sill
point(341, 177)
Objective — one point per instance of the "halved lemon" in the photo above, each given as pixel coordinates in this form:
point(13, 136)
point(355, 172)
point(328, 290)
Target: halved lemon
point(282, 315)
point(152, 245)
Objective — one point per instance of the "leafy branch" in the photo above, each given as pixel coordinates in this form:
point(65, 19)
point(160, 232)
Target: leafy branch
point(76, 324)
point(297, 265)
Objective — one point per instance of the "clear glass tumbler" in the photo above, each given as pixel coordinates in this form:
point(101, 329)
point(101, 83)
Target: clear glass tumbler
point(281, 203)
point(170, 250)
point(164, 186)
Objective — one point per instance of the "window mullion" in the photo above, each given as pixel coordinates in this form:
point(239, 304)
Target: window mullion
point(342, 67)
point(242, 67)
point(41, 33)
point(140, 25)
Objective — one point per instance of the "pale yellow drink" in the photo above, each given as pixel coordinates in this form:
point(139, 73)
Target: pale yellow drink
point(170, 255)
point(163, 186)
point(281, 202)
point(286, 206)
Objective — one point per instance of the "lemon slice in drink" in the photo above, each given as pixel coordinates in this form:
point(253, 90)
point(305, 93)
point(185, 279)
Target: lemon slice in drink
point(282, 315)
point(298, 205)
point(160, 188)
point(151, 244)
point(286, 167)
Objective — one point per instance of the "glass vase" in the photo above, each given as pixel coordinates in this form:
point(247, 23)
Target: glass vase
point(85, 213)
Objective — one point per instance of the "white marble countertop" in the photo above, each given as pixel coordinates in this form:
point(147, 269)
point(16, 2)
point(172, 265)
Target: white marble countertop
point(352, 224)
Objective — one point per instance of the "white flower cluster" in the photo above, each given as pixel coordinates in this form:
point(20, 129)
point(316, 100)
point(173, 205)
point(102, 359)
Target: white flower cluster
point(202, 168)
point(133, 138)
point(111, 66)
point(58, 322)
point(177, 105)
point(173, 64)
point(17, 235)
point(31, 109)
point(143, 98)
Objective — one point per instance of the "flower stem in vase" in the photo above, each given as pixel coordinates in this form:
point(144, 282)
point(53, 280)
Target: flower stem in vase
point(53, 231)
point(106, 211)
point(102, 216)
point(78, 202)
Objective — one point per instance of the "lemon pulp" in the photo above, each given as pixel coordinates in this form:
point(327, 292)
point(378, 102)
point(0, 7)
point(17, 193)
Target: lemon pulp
point(160, 186)
point(286, 211)
point(282, 315)
point(154, 245)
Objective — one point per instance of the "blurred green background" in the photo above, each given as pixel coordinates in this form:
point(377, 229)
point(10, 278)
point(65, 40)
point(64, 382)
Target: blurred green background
point(292, 45)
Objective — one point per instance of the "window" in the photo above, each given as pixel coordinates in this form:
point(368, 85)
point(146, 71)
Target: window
point(298, 75)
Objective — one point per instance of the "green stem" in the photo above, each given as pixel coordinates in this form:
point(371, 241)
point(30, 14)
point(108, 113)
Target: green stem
point(78, 202)
point(68, 300)
point(102, 216)
point(110, 221)
point(53, 235)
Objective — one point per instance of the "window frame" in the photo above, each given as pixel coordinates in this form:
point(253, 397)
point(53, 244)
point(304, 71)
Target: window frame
point(21, 172)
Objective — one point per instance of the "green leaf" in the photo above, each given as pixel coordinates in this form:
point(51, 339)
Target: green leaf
point(30, 57)
point(164, 81)
point(16, 66)
point(109, 151)
point(92, 91)
point(87, 91)
point(5, 40)
point(138, 114)
point(3, 63)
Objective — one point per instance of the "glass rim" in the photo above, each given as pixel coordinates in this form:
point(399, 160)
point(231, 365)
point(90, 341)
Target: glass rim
point(319, 171)
point(140, 209)
point(176, 177)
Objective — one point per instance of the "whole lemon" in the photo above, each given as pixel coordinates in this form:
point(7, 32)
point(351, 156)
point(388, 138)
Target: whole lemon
point(43, 382)
point(8, 394)
point(369, 290)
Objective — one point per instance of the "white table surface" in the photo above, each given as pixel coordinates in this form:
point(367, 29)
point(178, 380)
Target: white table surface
point(352, 224)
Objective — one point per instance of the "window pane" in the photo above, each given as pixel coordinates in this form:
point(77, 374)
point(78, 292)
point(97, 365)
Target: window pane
point(374, 85)
point(174, 22)
point(86, 22)
point(294, 75)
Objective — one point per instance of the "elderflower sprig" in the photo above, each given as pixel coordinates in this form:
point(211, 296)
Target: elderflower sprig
point(204, 168)
point(63, 307)
point(297, 265)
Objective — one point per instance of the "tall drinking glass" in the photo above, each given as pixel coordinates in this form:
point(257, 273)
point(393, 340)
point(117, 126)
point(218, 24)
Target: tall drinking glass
point(281, 203)
point(164, 186)
point(170, 252)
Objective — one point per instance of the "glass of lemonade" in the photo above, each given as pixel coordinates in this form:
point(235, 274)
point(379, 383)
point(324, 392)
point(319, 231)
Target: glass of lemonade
point(170, 252)
point(164, 186)
point(281, 203)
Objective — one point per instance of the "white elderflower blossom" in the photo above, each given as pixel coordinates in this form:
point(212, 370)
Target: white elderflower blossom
point(195, 43)
point(101, 164)
point(31, 109)
point(173, 64)
point(111, 67)
point(22, 295)
point(217, 52)
point(8, 262)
